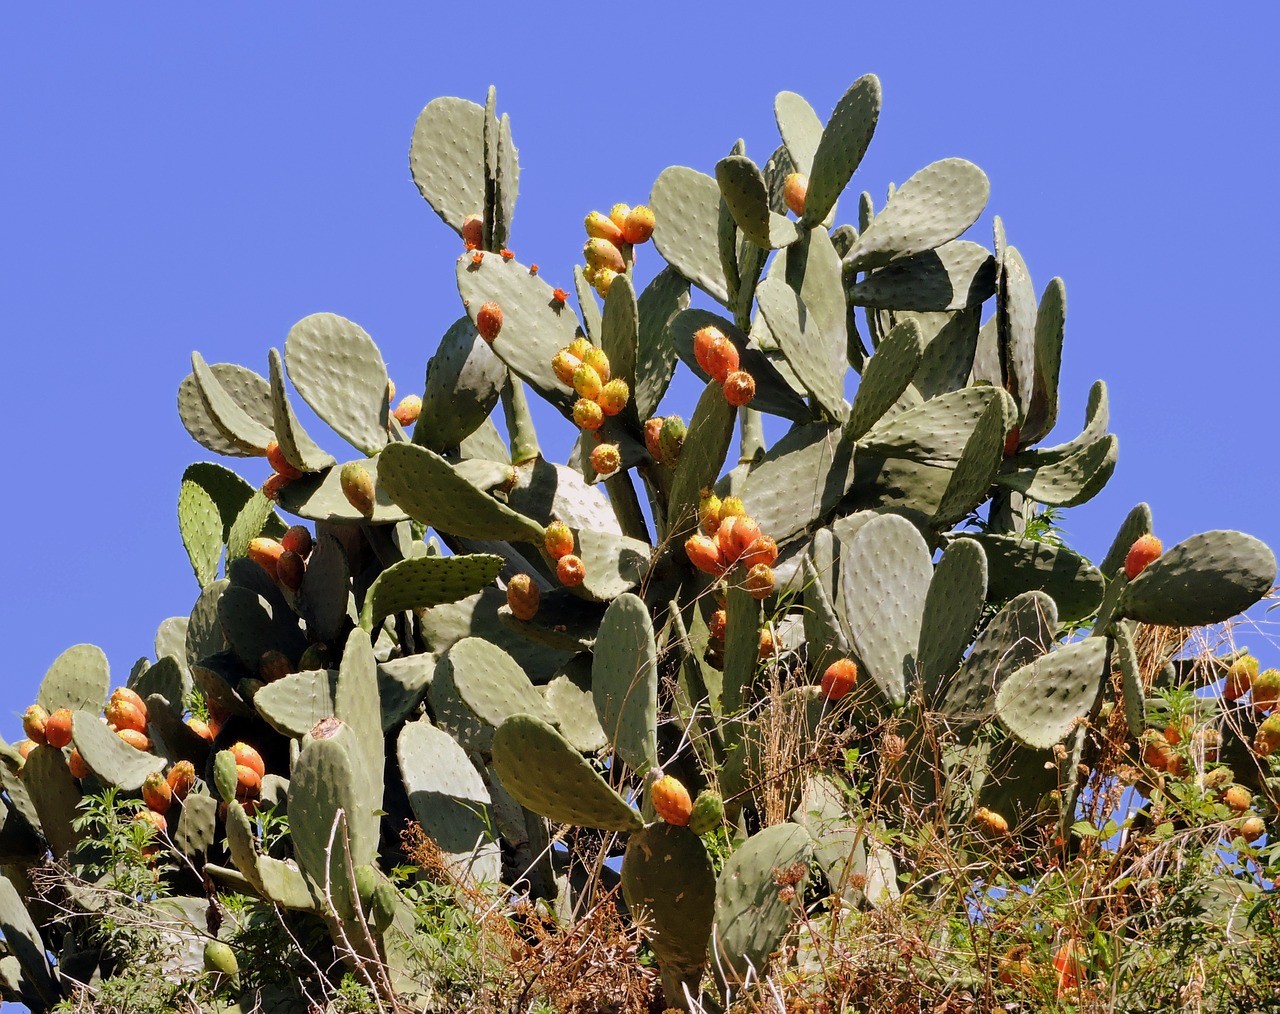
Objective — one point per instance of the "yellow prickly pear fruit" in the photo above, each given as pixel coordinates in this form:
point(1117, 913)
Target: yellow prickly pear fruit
point(1267, 739)
point(794, 190)
point(1252, 828)
point(709, 512)
point(603, 281)
point(760, 581)
point(1240, 676)
point(587, 383)
point(1237, 798)
point(606, 458)
point(990, 822)
point(613, 396)
point(558, 540)
point(1266, 689)
point(564, 363)
point(408, 410)
point(595, 358)
point(579, 347)
point(357, 487)
point(618, 214)
point(587, 414)
point(600, 253)
point(599, 226)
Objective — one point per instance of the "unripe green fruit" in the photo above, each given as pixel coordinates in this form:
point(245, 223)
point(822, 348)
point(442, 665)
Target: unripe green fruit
point(708, 812)
point(367, 881)
point(383, 906)
point(671, 438)
point(219, 957)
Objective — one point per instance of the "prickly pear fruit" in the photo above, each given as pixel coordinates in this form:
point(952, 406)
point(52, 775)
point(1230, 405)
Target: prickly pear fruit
point(763, 551)
point(613, 396)
point(153, 819)
point(248, 784)
point(473, 231)
point(1011, 441)
point(671, 801)
point(722, 360)
point(736, 535)
point(1237, 798)
point(990, 822)
point(1145, 550)
point(587, 415)
point(652, 435)
point(760, 581)
point(181, 779)
point(637, 227)
point(587, 383)
point(137, 740)
point(709, 512)
point(489, 321)
point(220, 959)
point(1266, 690)
point(557, 539)
point(618, 214)
point(76, 764)
point(602, 281)
point(408, 410)
point(1068, 967)
point(739, 388)
point(606, 458)
point(570, 570)
point(794, 190)
point(718, 625)
point(599, 226)
point(201, 729)
point(274, 484)
point(156, 793)
point(383, 906)
point(367, 881)
point(265, 553)
point(57, 729)
point(704, 339)
point(274, 665)
point(1240, 676)
point(1252, 828)
point(298, 540)
point(523, 597)
point(767, 645)
point(279, 463)
point(248, 757)
point(600, 253)
point(290, 570)
point(1267, 739)
point(565, 365)
point(732, 507)
point(124, 714)
point(357, 487)
point(1014, 967)
point(33, 723)
point(708, 812)
point(839, 679)
point(671, 438)
point(579, 347)
point(24, 747)
point(704, 553)
point(1156, 752)
point(132, 696)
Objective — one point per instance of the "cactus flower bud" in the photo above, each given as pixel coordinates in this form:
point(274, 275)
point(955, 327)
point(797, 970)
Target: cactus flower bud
point(637, 227)
point(795, 188)
point(489, 321)
point(523, 597)
point(357, 487)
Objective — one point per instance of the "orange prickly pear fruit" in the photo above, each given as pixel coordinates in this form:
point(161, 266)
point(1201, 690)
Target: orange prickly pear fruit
point(132, 696)
point(135, 739)
point(277, 460)
point(587, 414)
point(652, 437)
point(357, 487)
point(587, 383)
point(24, 747)
point(557, 540)
point(298, 540)
point(990, 821)
point(156, 793)
point(156, 820)
point(489, 321)
point(1237, 798)
point(722, 360)
point(248, 757)
point(265, 553)
point(33, 723)
point(473, 231)
point(570, 570)
point(709, 512)
point(1240, 676)
point(839, 679)
point(760, 581)
point(600, 253)
point(408, 410)
point(76, 764)
point(718, 624)
point(1266, 689)
point(523, 597)
point(1156, 752)
point(704, 553)
point(1252, 828)
point(618, 214)
point(1174, 732)
point(599, 226)
point(739, 388)
point(767, 645)
point(290, 570)
point(1068, 967)
point(735, 536)
point(613, 396)
point(671, 801)
point(275, 483)
point(763, 551)
point(606, 458)
point(795, 188)
point(57, 730)
point(564, 363)
point(637, 227)
point(182, 779)
point(704, 339)
point(248, 783)
point(1146, 549)
point(391, 390)
point(123, 714)
point(1267, 739)
point(201, 729)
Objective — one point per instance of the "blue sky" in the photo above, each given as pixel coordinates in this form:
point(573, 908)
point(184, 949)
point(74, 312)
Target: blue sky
point(177, 181)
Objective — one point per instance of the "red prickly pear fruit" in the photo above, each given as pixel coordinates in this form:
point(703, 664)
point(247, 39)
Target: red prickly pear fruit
point(277, 460)
point(298, 540)
point(598, 361)
point(247, 756)
point(613, 396)
point(76, 764)
point(709, 512)
point(1267, 739)
point(652, 434)
point(587, 415)
point(618, 214)
point(181, 779)
point(248, 783)
point(839, 679)
point(707, 813)
point(274, 485)
point(606, 458)
point(25, 746)
point(489, 321)
point(558, 540)
point(265, 553)
point(600, 253)
point(1143, 552)
point(1237, 798)
point(600, 226)
point(1240, 676)
point(137, 740)
point(57, 730)
point(357, 487)
point(290, 570)
point(760, 581)
point(795, 188)
point(274, 665)
point(473, 231)
point(1266, 689)
point(523, 597)
point(671, 801)
point(671, 438)
point(722, 360)
point(990, 822)
point(201, 729)
point(718, 625)
point(602, 281)
point(704, 553)
point(763, 551)
point(1011, 441)
point(1252, 828)
point(739, 388)
point(735, 536)
point(637, 227)
point(33, 723)
point(703, 341)
point(408, 410)
point(587, 383)
point(124, 714)
point(570, 571)
point(564, 363)
point(156, 793)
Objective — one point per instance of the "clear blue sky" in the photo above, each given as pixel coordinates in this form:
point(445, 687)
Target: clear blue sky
point(175, 181)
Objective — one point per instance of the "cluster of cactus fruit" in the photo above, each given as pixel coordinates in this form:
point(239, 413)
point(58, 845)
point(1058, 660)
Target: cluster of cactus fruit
point(588, 643)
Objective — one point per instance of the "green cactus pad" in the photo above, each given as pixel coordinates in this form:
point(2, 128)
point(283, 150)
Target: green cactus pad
point(1137, 522)
point(620, 336)
point(544, 773)
point(1016, 565)
point(54, 794)
point(800, 479)
point(248, 525)
point(204, 633)
point(356, 703)
point(293, 704)
point(490, 683)
point(169, 679)
point(934, 433)
point(587, 305)
point(1069, 481)
point(661, 300)
point(955, 275)
point(800, 128)
point(686, 213)
point(1042, 412)
point(549, 492)
point(426, 581)
point(246, 388)
point(109, 757)
point(701, 458)
point(171, 639)
point(574, 712)
point(324, 600)
point(933, 207)
point(742, 647)
point(751, 919)
point(1041, 702)
point(201, 528)
point(815, 354)
point(624, 681)
point(614, 563)
point(446, 156)
point(823, 630)
point(477, 615)
point(449, 800)
point(464, 379)
point(298, 448)
point(25, 944)
point(230, 493)
point(885, 572)
point(78, 679)
point(1207, 578)
point(429, 489)
point(197, 825)
point(950, 342)
point(952, 608)
point(843, 143)
point(977, 467)
point(886, 375)
point(1016, 327)
point(839, 840)
point(235, 422)
point(1022, 630)
point(402, 684)
point(1124, 653)
point(535, 326)
point(670, 887)
point(339, 372)
point(213, 676)
point(253, 626)
point(745, 194)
